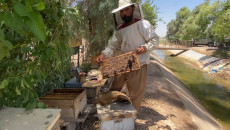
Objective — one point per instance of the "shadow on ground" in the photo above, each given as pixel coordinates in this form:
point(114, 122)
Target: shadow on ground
point(145, 118)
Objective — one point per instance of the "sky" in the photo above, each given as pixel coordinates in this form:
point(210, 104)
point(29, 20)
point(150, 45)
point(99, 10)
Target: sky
point(167, 11)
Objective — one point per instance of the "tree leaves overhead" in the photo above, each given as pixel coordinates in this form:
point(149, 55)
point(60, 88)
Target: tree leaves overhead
point(17, 91)
point(3, 84)
point(33, 20)
point(14, 22)
point(175, 26)
point(206, 20)
point(34, 44)
point(220, 28)
point(40, 6)
point(34, 37)
point(1, 34)
point(5, 45)
point(98, 23)
point(36, 25)
point(150, 12)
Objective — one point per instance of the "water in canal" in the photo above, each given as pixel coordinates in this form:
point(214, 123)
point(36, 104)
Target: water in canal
point(213, 93)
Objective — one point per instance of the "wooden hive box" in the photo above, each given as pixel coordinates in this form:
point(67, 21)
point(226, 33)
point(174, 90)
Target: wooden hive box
point(116, 116)
point(72, 101)
point(92, 89)
point(120, 64)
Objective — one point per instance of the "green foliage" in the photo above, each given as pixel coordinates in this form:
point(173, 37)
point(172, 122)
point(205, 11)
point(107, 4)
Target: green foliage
point(85, 66)
point(34, 43)
point(150, 12)
point(175, 26)
point(220, 28)
point(34, 49)
point(172, 30)
point(221, 54)
point(5, 45)
point(99, 24)
point(195, 25)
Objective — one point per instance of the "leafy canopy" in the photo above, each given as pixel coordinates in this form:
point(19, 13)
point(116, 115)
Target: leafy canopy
point(34, 49)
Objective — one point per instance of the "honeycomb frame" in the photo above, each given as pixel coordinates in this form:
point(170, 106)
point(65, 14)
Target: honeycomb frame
point(120, 64)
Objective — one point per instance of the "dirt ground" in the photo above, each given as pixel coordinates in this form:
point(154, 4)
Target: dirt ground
point(205, 50)
point(212, 51)
point(161, 109)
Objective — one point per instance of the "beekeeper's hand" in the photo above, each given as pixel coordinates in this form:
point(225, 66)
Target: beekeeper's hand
point(100, 58)
point(141, 50)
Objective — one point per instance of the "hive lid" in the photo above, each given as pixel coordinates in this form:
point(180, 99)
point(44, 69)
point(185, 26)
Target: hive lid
point(36, 119)
point(93, 83)
point(116, 110)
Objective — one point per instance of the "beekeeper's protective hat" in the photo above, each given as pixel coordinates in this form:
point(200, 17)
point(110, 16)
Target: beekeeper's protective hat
point(138, 13)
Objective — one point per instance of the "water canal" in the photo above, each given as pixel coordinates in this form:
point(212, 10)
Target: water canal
point(213, 93)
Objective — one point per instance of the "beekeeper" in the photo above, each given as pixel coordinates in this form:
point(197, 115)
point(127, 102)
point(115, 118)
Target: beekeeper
point(133, 33)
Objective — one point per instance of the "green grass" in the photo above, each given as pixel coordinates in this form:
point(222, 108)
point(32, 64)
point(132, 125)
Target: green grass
point(221, 54)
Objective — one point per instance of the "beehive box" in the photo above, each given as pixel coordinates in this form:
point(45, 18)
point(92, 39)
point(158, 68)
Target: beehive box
point(116, 116)
point(120, 64)
point(72, 102)
point(92, 89)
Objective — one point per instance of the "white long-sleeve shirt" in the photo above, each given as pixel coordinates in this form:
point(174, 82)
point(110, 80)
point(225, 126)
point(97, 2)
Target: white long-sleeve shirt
point(132, 37)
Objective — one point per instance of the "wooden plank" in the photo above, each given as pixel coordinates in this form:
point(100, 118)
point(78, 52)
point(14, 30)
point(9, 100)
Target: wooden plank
point(80, 103)
point(54, 123)
point(20, 119)
point(62, 94)
point(178, 53)
point(58, 125)
point(72, 104)
point(59, 103)
point(65, 94)
point(67, 90)
point(60, 97)
point(94, 83)
point(68, 114)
